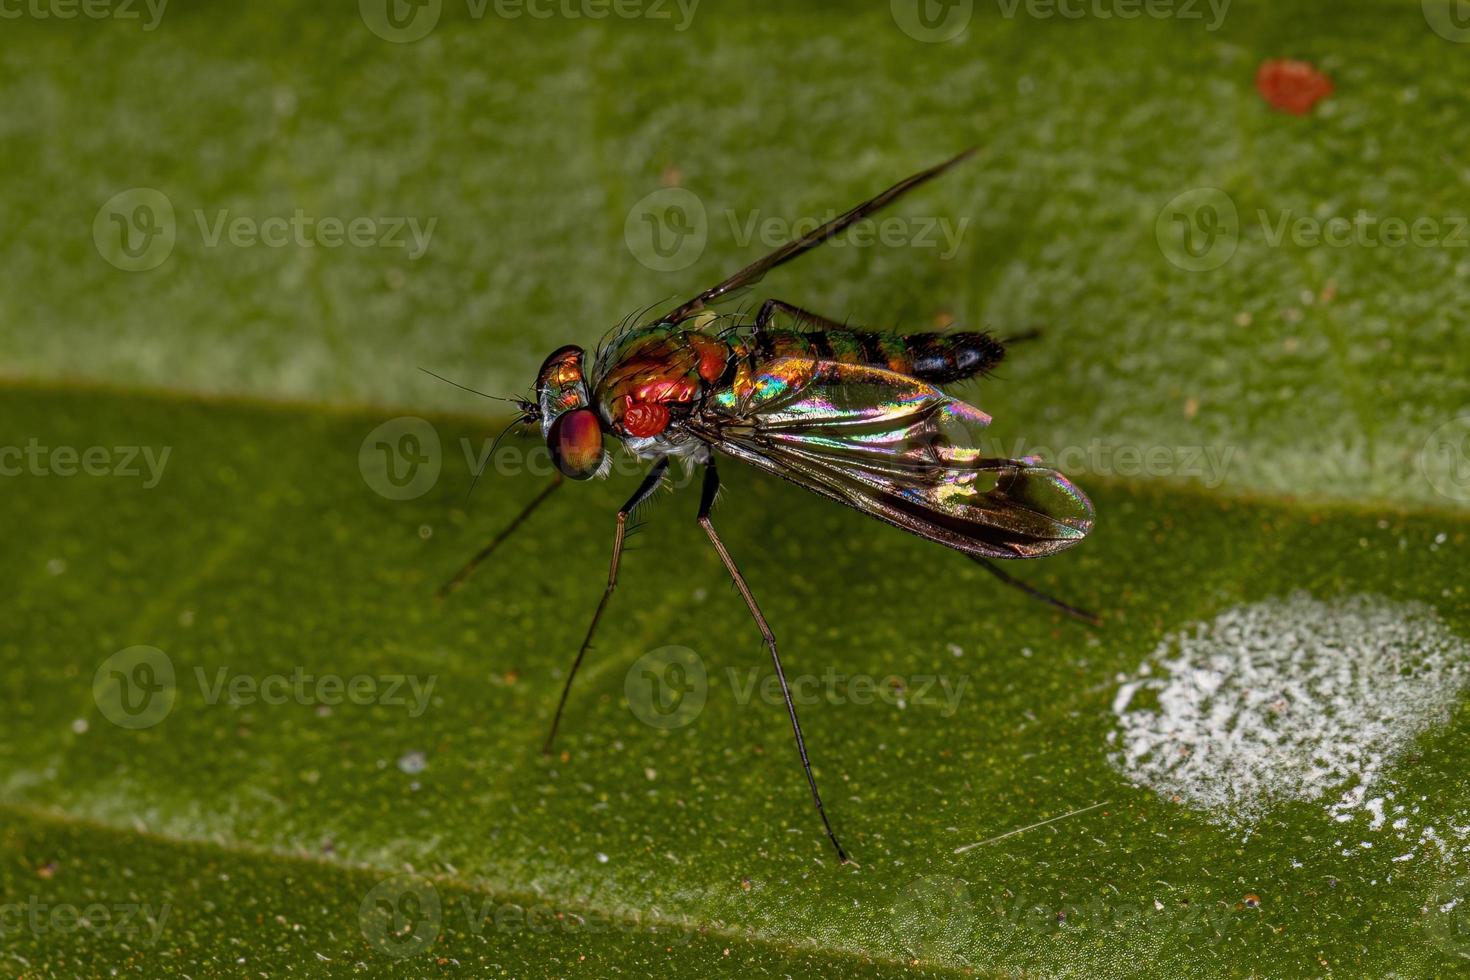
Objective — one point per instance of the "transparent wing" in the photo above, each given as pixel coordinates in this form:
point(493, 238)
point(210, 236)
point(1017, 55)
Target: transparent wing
point(898, 449)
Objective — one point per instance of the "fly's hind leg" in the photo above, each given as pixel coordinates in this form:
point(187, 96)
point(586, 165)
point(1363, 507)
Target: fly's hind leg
point(1092, 619)
point(771, 307)
point(707, 501)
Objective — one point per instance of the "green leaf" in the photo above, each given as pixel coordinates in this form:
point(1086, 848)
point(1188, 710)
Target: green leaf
point(264, 554)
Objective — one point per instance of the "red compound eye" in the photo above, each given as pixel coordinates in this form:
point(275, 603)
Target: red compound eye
point(575, 441)
point(1292, 86)
point(646, 419)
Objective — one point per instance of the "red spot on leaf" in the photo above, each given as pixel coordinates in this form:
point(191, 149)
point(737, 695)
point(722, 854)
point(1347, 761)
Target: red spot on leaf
point(1292, 86)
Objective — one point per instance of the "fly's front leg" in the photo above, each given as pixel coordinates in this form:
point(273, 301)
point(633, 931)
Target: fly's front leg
point(469, 567)
point(645, 490)
point(707, 501)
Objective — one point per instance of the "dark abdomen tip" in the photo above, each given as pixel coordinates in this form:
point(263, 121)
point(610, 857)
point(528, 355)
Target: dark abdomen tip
point(944, 358)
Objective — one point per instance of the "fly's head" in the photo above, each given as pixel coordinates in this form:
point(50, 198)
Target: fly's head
point(571, 426)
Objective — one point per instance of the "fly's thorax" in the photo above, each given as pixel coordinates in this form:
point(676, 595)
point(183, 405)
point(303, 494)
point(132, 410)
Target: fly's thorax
point(659, 377)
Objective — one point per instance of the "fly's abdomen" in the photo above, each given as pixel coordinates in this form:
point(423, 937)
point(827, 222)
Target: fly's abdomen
point(938, 358)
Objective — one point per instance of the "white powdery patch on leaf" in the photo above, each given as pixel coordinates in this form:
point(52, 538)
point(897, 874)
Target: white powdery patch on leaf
point(1287, 699)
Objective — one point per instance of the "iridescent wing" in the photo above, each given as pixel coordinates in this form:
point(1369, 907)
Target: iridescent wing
point(752, 273)
point(897, 448)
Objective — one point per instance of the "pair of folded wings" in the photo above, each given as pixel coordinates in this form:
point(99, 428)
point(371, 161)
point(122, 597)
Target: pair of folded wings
point(897, 448)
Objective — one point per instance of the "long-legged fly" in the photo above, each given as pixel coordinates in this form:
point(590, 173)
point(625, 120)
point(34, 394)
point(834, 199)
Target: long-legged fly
point(854, 415)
